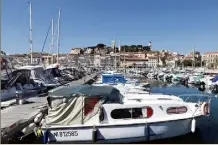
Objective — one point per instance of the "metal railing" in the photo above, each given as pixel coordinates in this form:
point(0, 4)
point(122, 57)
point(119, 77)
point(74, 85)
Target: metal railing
point(196, 98)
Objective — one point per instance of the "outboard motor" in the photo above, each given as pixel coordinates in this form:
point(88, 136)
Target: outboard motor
point(201, 87)
point(215, 89)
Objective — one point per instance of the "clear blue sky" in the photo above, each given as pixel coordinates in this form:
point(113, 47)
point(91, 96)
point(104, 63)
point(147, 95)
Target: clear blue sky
point(176, 25)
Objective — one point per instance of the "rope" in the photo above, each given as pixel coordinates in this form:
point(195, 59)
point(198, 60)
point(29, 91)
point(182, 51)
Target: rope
point(45, 42)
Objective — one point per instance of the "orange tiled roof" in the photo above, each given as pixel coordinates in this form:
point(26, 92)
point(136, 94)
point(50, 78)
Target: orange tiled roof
point(210, 53)
point(152, 57)
point(135, 59)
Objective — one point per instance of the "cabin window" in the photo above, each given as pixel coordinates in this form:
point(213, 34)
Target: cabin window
point(127, 113)
point(176, 110)
point(90, 104)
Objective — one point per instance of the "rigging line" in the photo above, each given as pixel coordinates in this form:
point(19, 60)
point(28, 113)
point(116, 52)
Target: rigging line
point(45, 41)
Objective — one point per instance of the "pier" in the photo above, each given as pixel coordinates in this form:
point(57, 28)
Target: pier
point(14, 118)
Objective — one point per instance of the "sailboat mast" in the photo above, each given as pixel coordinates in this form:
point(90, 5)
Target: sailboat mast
point(119, 50)
point(52, 42)
point(58, 40)
point(30, 39)
point(52, 37)
point(193, 62)
point(125, 59)
point(115, 55)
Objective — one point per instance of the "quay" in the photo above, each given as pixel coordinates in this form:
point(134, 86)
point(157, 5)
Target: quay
point(14, 118)
point(206, 70)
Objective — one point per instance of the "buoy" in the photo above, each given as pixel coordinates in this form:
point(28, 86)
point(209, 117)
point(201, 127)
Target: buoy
point(64, 100)
point(205, 109)
point(28, 128)
point(42, 121)
point(193, 125)
point(38, 117)
point(21, 102)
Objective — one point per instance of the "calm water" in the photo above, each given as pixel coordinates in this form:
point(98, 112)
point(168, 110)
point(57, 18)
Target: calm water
point(208, 133)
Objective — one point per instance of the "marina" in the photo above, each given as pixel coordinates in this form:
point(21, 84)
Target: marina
point(15, 118)
point(206, 135)
point(122, 92)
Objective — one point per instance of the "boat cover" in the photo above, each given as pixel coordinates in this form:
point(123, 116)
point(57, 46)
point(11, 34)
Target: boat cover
point(113, 78)
point(215, 79)
point(67, 103)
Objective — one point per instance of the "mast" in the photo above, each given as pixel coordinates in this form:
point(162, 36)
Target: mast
point(193, 62)
point(52, 38)
point(58, 40)
point(115, 52)
point(30, 28)
point(52, 41)
point(125, 59)
point(119, 52)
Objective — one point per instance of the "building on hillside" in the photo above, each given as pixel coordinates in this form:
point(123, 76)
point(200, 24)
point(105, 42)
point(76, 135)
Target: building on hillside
point(75, 51)
point(97, 60)
point(171, 61)
point(73, 59)
point(20, 59)
point(36, 58)
point(210, 58)
point(188, 57)
point(153, 61)
point(133, 62)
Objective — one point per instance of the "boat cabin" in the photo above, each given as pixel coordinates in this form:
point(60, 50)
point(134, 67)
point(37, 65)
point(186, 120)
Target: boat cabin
point(79, 105)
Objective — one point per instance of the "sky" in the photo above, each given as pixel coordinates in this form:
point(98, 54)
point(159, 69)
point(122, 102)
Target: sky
point(175, 25)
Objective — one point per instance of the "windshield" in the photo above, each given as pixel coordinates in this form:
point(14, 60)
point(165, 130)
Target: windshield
point(39, 74)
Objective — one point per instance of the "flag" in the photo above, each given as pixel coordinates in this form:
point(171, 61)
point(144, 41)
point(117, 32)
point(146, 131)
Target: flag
point(149, 44)
point(119, 47)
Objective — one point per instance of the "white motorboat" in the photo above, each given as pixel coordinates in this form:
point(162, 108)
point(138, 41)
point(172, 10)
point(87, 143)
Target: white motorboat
point(39, 77)
point(98, 114)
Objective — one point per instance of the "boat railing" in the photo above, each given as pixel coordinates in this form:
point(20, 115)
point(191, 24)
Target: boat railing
point(196, 98)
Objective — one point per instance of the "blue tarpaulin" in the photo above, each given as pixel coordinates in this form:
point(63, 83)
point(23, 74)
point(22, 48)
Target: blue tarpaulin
point(215, 79)
point(113, 78)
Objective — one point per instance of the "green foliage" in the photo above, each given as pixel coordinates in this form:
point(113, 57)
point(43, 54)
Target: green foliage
point(100, 45)
point(135, 48)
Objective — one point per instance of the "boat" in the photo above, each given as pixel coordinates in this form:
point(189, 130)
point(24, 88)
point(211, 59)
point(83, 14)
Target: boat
point(101, 114)
point(195, 78)
point(38, 75)
point(53, 72)
point(21, 82)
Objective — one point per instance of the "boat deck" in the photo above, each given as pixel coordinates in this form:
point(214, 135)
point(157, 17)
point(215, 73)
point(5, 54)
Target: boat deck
point(19, 116)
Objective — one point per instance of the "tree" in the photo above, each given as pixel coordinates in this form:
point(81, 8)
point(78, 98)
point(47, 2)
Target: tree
point(134, 64)
point(178, 63)
point(82, 51)
point(92, 51)
point(100, 45)
point(163, 56)
point(187, 62)
point(146, 48)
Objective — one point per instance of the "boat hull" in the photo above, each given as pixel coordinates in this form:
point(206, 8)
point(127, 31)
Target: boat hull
point(127, 133)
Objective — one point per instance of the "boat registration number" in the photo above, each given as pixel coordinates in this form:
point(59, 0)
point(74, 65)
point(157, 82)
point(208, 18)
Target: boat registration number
point(65, 133)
